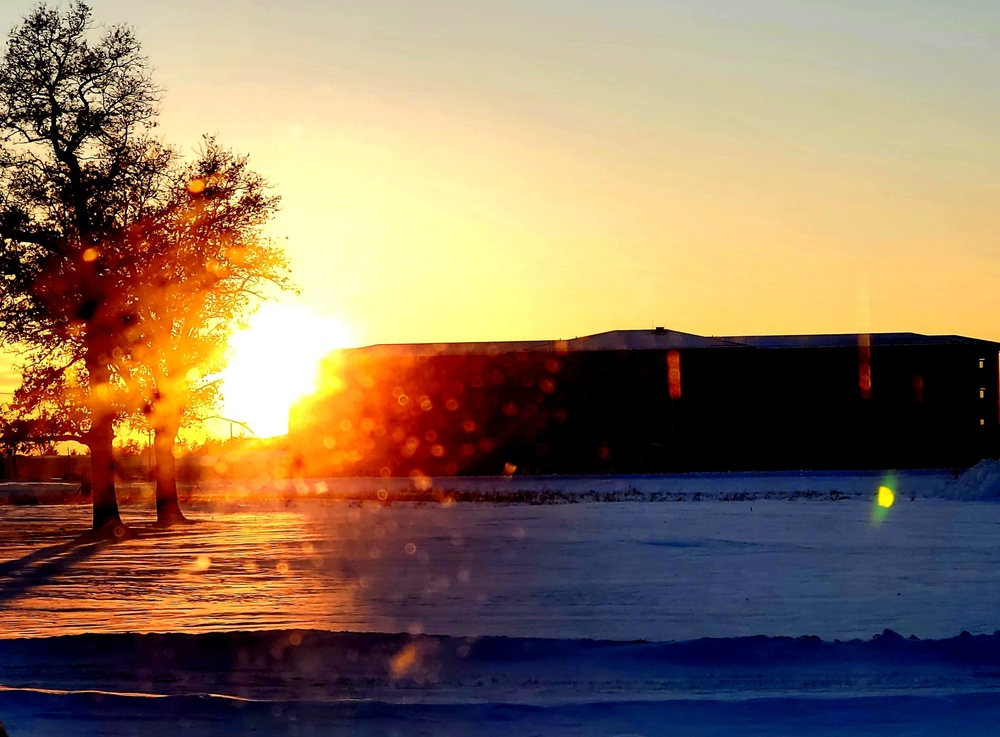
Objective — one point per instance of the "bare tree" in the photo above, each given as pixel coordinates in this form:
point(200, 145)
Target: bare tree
point(205, 266)
point(122, 269)
point(75, 172)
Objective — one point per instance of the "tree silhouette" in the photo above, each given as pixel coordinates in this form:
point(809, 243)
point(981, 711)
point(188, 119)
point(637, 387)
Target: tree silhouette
point(206, 264)
point(74, 120)
point(122, 269)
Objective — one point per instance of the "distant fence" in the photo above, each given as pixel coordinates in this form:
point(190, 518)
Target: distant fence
point(44, 468)
point(191, 468)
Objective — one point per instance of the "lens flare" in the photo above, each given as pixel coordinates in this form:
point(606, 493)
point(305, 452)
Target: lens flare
point(275, 361)
point(885, 497)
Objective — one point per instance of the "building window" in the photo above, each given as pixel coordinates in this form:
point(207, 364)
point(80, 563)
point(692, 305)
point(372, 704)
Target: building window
point(982, 422)
point(982, 393)
point(982, 363)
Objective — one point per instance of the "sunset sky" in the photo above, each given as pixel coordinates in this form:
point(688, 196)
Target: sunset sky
point(458, 170)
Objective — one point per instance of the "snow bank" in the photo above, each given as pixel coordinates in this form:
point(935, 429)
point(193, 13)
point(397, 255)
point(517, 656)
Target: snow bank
point(336, 667)
point(303, 682)
point(729, 487)
point(980, 483)
point(33, 714)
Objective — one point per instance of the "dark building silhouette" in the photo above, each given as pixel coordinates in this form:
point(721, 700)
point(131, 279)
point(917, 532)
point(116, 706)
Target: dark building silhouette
point(653, 401)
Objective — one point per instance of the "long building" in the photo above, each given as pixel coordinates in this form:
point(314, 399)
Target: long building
point(653, 401)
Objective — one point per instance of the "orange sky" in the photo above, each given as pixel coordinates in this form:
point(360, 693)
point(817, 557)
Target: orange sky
point(459, 170)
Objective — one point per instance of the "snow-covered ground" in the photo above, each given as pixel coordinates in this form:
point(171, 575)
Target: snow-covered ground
point(492, 618)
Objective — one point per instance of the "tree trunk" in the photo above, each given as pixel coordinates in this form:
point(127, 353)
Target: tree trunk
point(102, 473)
point(100, 440)
point(168, 508)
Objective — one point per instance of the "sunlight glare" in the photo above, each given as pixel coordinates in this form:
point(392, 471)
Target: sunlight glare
point(274, 361)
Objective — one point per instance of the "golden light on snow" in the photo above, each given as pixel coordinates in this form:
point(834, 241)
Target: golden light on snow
point(274, 361)
point(885, 497)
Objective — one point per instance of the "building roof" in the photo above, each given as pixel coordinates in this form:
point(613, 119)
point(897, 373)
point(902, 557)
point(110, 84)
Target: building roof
point(663, 339)
point(614, 340)
point(845, 340)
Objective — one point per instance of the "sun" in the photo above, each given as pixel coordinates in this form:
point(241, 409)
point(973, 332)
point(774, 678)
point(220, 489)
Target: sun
point(273, 362)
